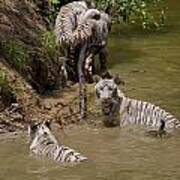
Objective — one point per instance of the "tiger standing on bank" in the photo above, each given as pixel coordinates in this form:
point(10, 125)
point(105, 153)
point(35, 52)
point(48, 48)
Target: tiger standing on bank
point(79, 23)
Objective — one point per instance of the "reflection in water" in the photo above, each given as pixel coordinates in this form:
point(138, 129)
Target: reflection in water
point(150, 65)
point(113, 154)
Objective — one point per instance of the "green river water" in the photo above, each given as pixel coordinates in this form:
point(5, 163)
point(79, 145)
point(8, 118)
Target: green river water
point(150, 66)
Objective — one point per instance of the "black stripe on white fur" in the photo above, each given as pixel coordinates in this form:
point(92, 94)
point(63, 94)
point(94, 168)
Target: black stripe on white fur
point(45, 144)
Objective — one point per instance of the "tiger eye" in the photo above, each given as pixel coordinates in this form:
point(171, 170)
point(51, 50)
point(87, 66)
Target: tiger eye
point(101, 88)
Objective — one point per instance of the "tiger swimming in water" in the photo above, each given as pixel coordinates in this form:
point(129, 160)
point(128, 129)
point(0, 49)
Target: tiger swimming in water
point(121, 110)
point(43, 143)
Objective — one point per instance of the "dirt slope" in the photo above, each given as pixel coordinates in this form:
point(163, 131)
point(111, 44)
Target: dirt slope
point(27, 70)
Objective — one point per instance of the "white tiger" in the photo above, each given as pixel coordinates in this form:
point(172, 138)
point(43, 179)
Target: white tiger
point(121, 110)
point(76, 25)
point(45, 144)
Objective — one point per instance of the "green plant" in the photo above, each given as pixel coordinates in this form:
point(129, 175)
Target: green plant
point(147, 13)
point(16, 54)
point(49, 45)
point(55, 5)
point(3, 78)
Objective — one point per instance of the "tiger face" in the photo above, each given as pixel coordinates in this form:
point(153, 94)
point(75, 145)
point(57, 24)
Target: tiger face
point(107, 89)
point(39, 129)
point(89, 14)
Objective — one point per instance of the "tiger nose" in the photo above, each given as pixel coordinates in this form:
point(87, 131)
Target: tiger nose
point(106, 99)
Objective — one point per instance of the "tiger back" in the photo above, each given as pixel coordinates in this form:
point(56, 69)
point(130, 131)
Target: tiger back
point(43, 143)
point(130, 111)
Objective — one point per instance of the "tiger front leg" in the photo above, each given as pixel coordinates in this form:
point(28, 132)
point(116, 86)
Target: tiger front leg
point(112, 118)
point(89, 68)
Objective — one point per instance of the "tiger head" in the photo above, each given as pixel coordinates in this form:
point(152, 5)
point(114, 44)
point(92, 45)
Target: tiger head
point(40, 129)
point(89, 14)
point(107, 88)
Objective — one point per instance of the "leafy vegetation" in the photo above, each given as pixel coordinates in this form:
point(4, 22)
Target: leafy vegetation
point(3, 78)
point(16, 54)
point(49, 44)
point(55, 5)
point(147, 13)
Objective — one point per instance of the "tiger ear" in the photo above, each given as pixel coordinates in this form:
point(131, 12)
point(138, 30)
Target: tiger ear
point(48, 123)
point(97, 94)
point(96, 78)
point(106, 75)
point(32, 127)
point(118, 80)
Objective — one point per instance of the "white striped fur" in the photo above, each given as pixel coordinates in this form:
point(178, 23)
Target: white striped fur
point(118, 109)
point(45, 144)
point(71, 28)
point(76, 25)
